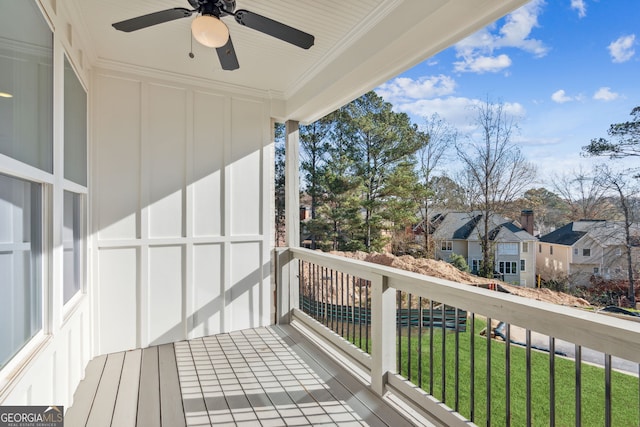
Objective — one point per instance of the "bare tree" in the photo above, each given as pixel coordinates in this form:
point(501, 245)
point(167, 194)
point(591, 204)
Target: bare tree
point(437, 136)
point(584, 194)
point(496, 169)
point(624, 188)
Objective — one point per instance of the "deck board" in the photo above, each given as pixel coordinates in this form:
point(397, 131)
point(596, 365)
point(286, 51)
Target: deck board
point(105, 399)
point(78, 414)
point(171, 410)
point(149, 396)
point(126, 405)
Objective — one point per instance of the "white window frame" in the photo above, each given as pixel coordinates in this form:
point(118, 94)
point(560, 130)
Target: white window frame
point(523, 265)
point(586, 252)
point(508, 267)
point(525, 247)
point(446, 246)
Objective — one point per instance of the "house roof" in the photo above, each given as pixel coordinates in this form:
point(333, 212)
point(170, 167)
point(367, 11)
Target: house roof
point(605, 233)
point(359, 44)
point(465, 226)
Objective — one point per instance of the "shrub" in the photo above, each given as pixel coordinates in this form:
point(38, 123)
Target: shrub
point(459, 262)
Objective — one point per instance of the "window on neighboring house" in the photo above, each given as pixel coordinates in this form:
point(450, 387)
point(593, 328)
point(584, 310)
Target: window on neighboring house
point(447, 245)
point(586, 252)
point(476, 265)
point(525, 247)
point(20, 264)
point(507, 249)
point(508, 267)
point(596, 270)
point(618, 251)
point(550, 250)
point(575, 251)
point(523, 265)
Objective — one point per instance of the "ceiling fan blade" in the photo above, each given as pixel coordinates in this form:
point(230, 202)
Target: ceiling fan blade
point(274, 28)
point(227, 56)
point(154, 18)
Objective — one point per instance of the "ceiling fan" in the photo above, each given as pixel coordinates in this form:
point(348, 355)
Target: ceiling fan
point(209, 30)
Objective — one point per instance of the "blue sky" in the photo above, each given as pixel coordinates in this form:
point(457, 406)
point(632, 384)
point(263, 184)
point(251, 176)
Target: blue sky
point(566, 68)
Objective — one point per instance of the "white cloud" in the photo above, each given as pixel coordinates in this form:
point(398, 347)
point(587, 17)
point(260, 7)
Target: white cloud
point(580, 6)
point(605, 94)
point(483, 64)
point(621, 50)
point(403, 88)
point(477, 51)
point(457, 111)
point(560, 96)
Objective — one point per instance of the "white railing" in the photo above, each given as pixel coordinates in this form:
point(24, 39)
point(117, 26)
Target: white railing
point(318, 279)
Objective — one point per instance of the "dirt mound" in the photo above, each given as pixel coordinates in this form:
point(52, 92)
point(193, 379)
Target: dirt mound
point(444, 270)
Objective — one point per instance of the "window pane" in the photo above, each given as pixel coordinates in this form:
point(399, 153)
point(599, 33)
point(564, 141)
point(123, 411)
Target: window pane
point(26, 81)
point(20, 255)
point(72, 244)
point(75, 127)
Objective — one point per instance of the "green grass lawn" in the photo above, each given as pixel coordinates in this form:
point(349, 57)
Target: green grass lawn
point(625, 388)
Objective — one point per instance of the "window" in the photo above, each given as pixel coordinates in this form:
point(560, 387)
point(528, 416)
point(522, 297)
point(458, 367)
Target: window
point(26, 76)
point(523, 265)
point(525, 247)
point(550, 250)
point(575, 251)
point(447, 245)
point(507, 249)
point(75, 127)
point(508, 267)
point(586, 252)
point(596, 270)
point(618, 251)
point(20, 264)
point(539, 248)
point(73, 245)
point(476, 265)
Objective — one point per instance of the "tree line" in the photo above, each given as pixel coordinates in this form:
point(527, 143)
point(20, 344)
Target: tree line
point(368, 173)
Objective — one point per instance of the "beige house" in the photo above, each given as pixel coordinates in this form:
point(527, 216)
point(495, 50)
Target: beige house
point(513, 247)
point(584, 249)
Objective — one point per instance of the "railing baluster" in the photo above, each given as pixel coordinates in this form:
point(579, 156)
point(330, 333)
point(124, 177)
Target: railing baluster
point(420, 320)
point(472, 368)
point(528, 377)
point(399, 329)
point(578, 363)
point(552, 381)
point(325, 285)
point(507, 374)
point(431, 373)
point(457, 364)
point(360, 319)
point(607, 390)
point(488, 369)
point(342, 305)
point(444, 353)
point(353, 309)
point(368, 305)
point(409, 337)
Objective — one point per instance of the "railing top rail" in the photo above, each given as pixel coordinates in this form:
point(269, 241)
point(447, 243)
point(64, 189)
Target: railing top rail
point(618, 337)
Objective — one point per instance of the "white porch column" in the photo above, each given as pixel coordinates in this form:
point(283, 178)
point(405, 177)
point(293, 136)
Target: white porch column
point(288, 284)
point(292, 183)
point(383, 338)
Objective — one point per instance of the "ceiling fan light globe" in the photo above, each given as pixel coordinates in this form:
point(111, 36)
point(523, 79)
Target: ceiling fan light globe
point(210, 31)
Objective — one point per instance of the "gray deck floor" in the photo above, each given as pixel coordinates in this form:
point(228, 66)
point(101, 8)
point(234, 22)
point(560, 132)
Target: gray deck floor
point(266, 376)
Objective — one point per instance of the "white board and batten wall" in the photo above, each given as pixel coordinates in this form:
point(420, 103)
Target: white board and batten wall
point(180, 205)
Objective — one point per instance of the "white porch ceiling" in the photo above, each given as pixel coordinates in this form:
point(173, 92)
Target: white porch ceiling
point(358, 45)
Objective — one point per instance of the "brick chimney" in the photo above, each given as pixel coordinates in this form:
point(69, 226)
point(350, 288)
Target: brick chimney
point(526, 220)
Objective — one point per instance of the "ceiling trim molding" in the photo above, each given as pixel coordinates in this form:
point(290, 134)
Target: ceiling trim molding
point(171, 77)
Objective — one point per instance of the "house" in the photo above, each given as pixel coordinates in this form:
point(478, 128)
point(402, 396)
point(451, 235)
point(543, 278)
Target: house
point(460, 233)
point(136, 195)
point(586, 248)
